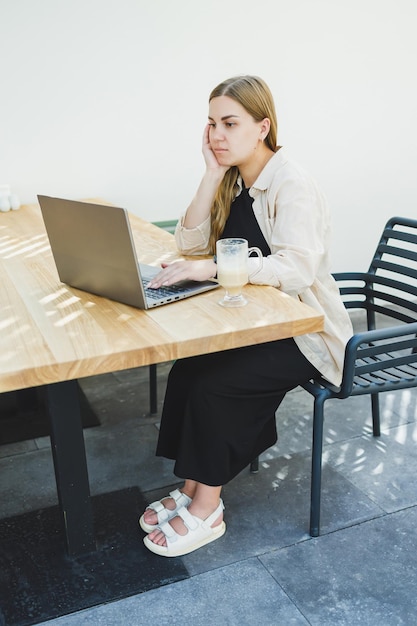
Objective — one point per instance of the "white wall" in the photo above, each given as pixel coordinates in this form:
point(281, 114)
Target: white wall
point(109, 98)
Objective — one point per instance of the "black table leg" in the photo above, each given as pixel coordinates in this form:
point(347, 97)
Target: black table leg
point(153, 389)
point(67, 441)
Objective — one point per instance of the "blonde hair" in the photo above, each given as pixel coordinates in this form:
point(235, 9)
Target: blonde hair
point(254, 95)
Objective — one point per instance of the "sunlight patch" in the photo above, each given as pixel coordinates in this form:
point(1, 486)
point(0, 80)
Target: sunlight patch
point(378, 470)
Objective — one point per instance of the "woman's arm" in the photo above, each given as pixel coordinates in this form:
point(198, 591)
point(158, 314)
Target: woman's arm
point(199, 209)
point(195, 217)
point(299, 239)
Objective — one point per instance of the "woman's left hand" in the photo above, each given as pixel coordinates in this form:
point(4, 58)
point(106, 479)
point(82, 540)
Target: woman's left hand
point(172, 273)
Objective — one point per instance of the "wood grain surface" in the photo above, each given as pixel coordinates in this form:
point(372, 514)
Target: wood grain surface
point(50, 332)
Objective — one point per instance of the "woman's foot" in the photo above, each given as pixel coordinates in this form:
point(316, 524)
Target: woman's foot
point(190, 529)
point(163, 510)
point(178, 525)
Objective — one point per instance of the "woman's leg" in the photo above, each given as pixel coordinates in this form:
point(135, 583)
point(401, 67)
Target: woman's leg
point(205, 501)
point(219, 406)
point(219, 409)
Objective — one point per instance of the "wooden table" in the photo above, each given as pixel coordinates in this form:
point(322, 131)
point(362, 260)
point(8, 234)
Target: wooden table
point(52, 335)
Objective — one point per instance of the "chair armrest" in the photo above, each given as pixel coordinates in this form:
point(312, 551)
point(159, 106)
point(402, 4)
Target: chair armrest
point(371, 336)
point(370, 351)
point(351, 276)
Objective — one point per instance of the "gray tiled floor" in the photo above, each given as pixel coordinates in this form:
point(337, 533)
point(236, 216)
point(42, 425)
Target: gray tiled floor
point(266, 569)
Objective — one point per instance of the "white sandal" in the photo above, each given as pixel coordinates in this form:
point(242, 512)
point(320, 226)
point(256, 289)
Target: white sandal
point(200, 532)
point(164, 514)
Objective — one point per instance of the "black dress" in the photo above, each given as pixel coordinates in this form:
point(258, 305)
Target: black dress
point(219, 408)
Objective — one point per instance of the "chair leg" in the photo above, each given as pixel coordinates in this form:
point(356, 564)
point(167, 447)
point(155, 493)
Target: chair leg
point(254, 466)
point(376, 422)
point(153, 390)
point(316, 465)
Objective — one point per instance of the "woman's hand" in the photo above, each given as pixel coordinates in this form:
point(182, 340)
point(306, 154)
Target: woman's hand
point(172, 273)
point(209, 156)
point(200, 207)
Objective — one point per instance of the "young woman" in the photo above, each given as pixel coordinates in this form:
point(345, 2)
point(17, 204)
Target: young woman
point(219, 409)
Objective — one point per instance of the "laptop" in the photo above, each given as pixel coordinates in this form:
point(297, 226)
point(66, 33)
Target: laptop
point(93, 249)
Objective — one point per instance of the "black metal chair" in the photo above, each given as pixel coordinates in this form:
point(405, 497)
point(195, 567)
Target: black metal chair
point(378, 359)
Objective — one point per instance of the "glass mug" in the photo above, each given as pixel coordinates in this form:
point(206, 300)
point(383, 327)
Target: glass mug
point(232, 269)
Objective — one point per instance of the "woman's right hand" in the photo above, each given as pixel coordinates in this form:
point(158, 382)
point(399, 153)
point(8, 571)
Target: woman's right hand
point(209, 156)
point(200, 207)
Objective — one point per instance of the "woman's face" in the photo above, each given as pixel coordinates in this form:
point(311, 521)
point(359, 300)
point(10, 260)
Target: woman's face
point(234, 134)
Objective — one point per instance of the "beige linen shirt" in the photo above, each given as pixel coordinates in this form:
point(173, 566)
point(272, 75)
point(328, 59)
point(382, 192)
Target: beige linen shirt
point(294, 218)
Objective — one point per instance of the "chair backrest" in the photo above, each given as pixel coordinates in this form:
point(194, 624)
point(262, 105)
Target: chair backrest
point(389, 287)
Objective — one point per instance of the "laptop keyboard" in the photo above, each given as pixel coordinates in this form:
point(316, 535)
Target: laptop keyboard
point(163, 292)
